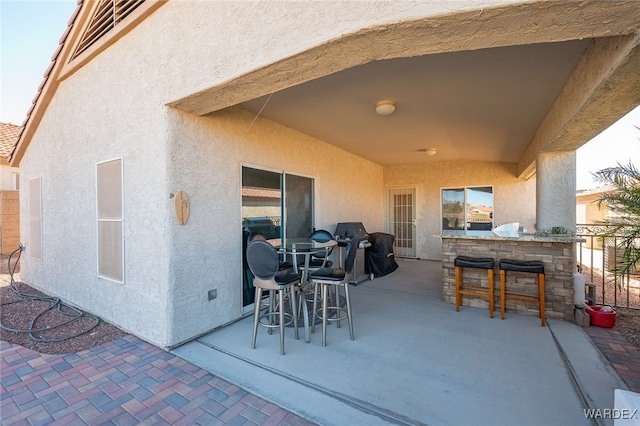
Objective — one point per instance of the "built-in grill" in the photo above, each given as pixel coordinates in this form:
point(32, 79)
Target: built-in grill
point(345, 231)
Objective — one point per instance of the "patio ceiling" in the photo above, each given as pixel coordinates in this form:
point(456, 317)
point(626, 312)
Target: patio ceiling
point(497, 84)
point(482, 105)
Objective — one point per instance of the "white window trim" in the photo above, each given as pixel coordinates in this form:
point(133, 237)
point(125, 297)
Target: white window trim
point(31, 233)
point(465, 188)
point(98, 221)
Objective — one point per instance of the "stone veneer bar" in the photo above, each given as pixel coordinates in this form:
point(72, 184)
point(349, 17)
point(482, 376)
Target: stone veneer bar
point(557, 254)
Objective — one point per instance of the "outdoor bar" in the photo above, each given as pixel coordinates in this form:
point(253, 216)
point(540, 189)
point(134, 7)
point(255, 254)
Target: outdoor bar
point(556, 252)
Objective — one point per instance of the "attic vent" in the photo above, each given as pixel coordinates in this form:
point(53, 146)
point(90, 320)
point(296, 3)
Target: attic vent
point(108, 14)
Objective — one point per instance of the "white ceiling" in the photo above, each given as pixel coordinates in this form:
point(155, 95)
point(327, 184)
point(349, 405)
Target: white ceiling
point(483, 104)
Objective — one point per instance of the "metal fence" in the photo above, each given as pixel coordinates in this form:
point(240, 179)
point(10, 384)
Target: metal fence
point(597, 257)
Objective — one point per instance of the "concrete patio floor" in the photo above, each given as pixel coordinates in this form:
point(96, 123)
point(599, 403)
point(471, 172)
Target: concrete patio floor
point(415, 360)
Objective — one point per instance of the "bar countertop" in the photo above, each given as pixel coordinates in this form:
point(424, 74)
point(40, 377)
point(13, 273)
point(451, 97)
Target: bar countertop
point(524, 238)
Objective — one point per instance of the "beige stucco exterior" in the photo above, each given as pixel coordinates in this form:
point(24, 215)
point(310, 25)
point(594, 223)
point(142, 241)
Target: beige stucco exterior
point(146, 99)
point(514, 198)
point(169, 267)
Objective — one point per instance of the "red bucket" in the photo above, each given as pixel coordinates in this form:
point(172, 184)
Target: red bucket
point(601, 319)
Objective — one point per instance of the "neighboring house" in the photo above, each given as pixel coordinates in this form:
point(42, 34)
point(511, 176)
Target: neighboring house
point(145, 101)
point(588, 210)
point(9, 186)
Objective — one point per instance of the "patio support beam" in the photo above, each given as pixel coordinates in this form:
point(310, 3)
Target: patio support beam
point(427, 30)
point(556, 190)
point(604, 86)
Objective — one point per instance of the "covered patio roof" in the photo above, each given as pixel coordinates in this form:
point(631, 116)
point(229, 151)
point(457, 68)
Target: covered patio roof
point(489, 84)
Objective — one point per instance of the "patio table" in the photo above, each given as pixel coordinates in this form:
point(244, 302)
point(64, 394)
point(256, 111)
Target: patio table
point(303, 247)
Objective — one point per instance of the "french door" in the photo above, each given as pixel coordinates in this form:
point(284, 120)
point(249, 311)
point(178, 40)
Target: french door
point(277, 204)
point(401, 221)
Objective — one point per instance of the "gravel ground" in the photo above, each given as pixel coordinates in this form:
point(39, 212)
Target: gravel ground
point(60, 329)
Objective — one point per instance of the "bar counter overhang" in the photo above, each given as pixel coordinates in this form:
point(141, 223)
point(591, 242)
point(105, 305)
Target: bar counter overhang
point(556, 252)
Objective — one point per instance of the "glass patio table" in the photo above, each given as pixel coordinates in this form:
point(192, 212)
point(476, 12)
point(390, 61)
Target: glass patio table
point(303, 247)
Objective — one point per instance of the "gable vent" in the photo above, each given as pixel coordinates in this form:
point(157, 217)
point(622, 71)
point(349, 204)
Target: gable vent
point(108, 14)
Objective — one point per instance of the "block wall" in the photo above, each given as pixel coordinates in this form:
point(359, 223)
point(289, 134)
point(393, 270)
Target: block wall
point(9, 222)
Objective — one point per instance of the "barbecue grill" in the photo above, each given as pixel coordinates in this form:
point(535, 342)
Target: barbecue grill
point(345, 232)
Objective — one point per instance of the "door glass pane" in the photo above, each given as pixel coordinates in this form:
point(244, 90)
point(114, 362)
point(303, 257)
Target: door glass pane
point(453, 211)
point(401, 217)
point(299, 206)
point(261, 212)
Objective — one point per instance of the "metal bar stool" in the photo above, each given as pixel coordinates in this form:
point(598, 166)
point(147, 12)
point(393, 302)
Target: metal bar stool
point(264, 262)
point(335, 277)
point(477, 263)
point(533, 267)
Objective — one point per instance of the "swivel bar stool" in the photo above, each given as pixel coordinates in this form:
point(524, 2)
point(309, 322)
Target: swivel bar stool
point(324, 278)
point(533, 267)
point(264, 263)
point(461, 289)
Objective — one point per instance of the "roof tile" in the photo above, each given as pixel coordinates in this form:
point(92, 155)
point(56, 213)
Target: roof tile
point(8, 137)
point(45, 77)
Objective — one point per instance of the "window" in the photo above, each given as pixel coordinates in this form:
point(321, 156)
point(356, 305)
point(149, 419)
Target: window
point(109, 194)
point(467, 211)
point(35, 218)
point(15, 180)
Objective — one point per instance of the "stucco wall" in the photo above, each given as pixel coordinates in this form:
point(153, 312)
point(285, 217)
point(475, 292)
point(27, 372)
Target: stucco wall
point(115, 106)
point(514, 199)
point(110, 109)
point(207, 155)
point(286, 29)
point(96, 115)
point(556, 190)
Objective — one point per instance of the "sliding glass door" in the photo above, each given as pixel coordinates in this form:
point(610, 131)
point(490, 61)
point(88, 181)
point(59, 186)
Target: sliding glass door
point(276, 204)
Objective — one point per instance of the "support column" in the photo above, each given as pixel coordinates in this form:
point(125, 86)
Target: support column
point(556, 190)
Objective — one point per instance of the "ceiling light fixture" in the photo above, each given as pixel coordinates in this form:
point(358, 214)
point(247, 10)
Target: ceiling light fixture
point(430, 151)
point(385, 107)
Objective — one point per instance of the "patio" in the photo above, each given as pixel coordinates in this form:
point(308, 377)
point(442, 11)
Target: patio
point(416, 361)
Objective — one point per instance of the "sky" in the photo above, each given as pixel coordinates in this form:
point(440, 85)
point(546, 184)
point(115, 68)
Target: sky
point(31, 29)
point(29, 34)
point(620, 143)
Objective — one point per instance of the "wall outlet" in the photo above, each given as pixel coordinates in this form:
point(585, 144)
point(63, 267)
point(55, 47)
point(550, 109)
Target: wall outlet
point(212, 294)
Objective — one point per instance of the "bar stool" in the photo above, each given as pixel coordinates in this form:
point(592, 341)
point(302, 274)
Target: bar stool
point(477, 263)
point(324, 278)
point(533, 267)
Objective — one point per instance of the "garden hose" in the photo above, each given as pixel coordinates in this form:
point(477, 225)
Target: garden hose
point(74, 314)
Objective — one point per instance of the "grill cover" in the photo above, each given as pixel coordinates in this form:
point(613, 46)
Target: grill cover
point(380, 259)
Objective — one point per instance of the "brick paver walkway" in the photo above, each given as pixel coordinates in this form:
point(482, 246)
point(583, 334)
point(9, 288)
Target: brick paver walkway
point(622, 355)
point(131, 382)
point(125, 382)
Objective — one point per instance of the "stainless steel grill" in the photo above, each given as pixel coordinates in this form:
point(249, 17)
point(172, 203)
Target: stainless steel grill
point(345, 231)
